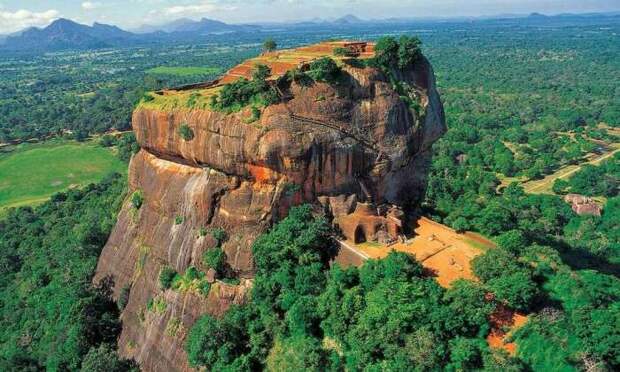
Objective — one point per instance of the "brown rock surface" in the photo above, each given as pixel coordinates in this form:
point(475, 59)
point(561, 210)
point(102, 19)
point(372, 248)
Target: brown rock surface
point(333, 144)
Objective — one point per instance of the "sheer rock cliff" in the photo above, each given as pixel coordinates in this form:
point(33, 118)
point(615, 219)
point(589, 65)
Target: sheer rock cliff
point(330, 145)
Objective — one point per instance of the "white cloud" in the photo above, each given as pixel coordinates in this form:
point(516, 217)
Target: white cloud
point(21, 19)
point(90, 5)
point(202, 7)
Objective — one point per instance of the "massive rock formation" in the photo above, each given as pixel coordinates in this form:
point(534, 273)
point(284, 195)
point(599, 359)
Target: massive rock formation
point(330, 145)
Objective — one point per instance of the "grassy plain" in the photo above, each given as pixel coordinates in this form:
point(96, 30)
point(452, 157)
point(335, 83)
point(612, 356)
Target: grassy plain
point(31, 173)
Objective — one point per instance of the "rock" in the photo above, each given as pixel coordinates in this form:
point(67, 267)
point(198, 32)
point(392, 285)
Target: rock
point(211, 276)
point(359, 143)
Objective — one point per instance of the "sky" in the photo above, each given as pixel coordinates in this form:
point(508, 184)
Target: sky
point(19, 14)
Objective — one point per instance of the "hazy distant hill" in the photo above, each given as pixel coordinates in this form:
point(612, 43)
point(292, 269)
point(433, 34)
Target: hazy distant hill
point(203, 26)
point(349, 19)
point(66, 34)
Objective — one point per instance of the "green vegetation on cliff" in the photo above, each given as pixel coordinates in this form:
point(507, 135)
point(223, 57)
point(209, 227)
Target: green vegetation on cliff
point(258, 92)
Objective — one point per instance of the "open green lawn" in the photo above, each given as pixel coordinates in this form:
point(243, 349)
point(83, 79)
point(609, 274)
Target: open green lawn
point(184, 71)
point(31, 173)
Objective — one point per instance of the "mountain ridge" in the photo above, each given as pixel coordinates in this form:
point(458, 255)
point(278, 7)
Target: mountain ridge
point(65, 34)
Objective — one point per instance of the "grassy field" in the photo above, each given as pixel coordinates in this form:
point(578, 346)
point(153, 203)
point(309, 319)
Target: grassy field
point(31, 173)
point(545, 185)
point(184, 71)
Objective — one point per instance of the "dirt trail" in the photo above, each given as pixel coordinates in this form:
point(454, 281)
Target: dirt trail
point(544, 185)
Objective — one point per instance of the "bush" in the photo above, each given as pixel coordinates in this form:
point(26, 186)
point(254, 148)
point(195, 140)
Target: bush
point(516, 289)
point(493, 264)
point(560, 186)
point(215, 343)
point(408, 51)
point(186, 132)
point(299, 77)
point(105, 359)
point(386, 51)
point(137, 199)
point(127, 146)
point(238, 94)
point(179, 220)
point(107, 141)
point(219, 235)
point(403, 53)
point(166, 277)
point(215, 259)
point(325, 69)
point(123, 297)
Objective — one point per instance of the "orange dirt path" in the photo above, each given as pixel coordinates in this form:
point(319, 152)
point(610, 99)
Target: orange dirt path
point(440, 249)
point(503, 323)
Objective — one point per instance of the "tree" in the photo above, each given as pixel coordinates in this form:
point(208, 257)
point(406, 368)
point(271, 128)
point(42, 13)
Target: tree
point(466, 354)
point(105, 359)
point(270, 45)
point(514, 241)
point(215, 259)
point(560, 186)
point(424, 350)
point(386, 51)
point(470, 310)
point(516, 289)
point(166, 277)
point(218, 343)
point(80, 135)
point(494, 263)
point(297, 353)
point(325, 69)
point(408, 51)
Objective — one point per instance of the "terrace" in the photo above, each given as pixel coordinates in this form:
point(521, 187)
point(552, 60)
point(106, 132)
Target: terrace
point(280, 62)
point(445, 253)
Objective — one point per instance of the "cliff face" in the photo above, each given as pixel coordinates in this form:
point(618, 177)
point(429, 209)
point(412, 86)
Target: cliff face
point(328, 145)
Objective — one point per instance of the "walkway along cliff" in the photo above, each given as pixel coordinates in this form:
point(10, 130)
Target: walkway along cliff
point(333, 145)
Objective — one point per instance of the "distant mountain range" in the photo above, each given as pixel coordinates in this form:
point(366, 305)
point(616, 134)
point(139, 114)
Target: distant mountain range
point(66, 34)
point(203, 26)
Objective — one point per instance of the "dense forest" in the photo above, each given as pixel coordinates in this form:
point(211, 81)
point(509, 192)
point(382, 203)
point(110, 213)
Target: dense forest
point(93, 92)
point(51, 315)
point(387, 315)
point(521, 102)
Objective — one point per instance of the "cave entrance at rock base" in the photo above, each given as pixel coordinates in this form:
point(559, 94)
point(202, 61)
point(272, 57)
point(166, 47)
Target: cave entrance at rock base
point(360, 236)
